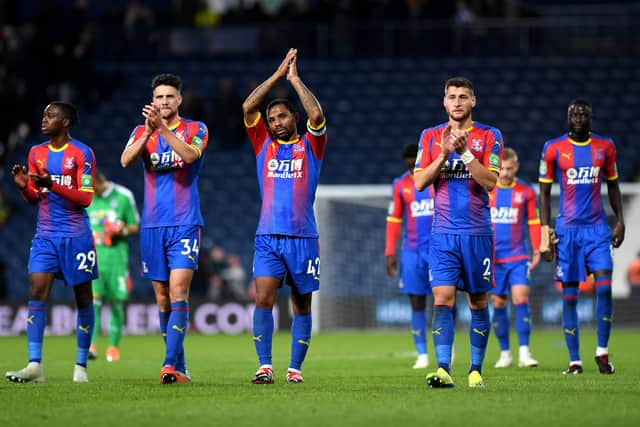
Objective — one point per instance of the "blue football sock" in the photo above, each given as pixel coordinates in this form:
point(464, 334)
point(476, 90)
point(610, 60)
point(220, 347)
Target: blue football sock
point(604, 310)
point(570, 321)
point(86, 320)
point(263, 334)
point(36, 320)
point(442, 330)
point(176, 331)
point(523, 323)
point(418, 330)
point(163, 317)
point(300, 339)
point(501, 327)
point(479, 329)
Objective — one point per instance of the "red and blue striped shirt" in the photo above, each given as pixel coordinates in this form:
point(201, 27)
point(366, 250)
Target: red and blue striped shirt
point(461, 204)
point(579, 167)
point(414, 209)
point(288, 174)
point(170, 184)
point(512, 209)
point(71, 166)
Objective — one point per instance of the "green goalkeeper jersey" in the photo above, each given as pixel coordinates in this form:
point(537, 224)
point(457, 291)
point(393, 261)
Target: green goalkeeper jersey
point(115, 206)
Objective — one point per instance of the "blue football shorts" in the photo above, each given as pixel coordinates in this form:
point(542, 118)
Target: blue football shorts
point(72, 259)
point(508, 274)
point(414, 272)
point(580, 249)
point(163, 249)
point(463, 260)
point(294, 260)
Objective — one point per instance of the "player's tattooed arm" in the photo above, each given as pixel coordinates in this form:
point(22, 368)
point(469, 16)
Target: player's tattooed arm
point(309, 101)
point(251, 105)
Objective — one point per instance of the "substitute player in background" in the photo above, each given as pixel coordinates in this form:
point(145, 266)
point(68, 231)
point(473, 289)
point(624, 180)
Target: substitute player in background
point(414, 209)
point(114, 216)
point(461, 158)
point(171, 150)
point(286, 243)
point(579, 160)
point(513, 206)
point(59, 179)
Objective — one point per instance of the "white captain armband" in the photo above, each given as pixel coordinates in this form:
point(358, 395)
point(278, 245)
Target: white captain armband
point(467, 157)
point(319, 130)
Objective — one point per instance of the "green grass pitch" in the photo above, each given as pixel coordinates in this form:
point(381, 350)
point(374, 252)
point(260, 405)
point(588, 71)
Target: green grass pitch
point(352, 379)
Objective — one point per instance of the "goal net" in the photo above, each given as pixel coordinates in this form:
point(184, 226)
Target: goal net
point(356, 293)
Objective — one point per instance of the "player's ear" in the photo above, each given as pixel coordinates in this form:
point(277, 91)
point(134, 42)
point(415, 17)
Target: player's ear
point(473, 101)
point(179, 100)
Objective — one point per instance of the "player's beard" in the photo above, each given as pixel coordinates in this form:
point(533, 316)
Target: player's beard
point(284, 135)
point(460, 117)
point(168, 115)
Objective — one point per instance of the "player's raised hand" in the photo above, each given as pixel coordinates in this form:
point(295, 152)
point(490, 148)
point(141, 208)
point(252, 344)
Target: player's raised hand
point(618, 235)
point(42, 180)
point(460, 142)
point(152, 116)
point(447, 146)
point(20, 176)
point(292, 72)
point(392, 265)
point(283, 68)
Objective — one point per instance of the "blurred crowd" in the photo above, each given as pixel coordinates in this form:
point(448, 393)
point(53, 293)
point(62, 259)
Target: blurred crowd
point(221, 277)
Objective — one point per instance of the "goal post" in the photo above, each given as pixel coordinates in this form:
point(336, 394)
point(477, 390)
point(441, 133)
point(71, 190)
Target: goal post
point(355, 291)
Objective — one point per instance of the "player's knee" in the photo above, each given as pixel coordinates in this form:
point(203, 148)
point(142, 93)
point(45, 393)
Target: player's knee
point(499, 301)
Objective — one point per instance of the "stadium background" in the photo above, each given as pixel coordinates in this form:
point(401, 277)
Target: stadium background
point(377, 67)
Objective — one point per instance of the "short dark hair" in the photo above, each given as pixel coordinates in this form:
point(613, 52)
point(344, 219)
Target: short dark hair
point(69, 111)
point(458, 82)
point(283, 101)
point(580, 101)
point(167, 80)
point(410, 151)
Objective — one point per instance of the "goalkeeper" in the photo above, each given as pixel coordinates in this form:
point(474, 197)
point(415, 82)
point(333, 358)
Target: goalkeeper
point(113, 216)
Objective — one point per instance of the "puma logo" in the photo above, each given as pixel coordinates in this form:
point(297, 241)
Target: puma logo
point(303, 342)
point(436, 331)
point(570, 331)
point(84, 329)
point(480, 332)
point(179, 329)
